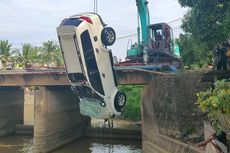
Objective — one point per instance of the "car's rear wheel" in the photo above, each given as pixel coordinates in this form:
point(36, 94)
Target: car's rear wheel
point(108, 36)
point(119, 101)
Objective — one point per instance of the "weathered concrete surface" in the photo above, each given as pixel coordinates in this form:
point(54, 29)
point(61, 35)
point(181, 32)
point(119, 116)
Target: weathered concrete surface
point(114, 133)
point(28, 106)
point(24, 130)
point(33, 78)
point(58, 77)
point(208, 131)
point(126, 77)
point(170, 115)
point(11, 109)
point(57, 118)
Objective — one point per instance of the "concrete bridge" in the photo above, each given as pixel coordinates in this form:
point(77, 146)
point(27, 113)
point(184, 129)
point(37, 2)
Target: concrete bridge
point(59, 78)
point(168, 109)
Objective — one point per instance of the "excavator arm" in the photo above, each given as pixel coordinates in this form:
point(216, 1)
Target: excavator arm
point(143, 12)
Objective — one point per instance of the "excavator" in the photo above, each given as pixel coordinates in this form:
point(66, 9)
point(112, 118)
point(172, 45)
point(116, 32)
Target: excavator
point(154, 48)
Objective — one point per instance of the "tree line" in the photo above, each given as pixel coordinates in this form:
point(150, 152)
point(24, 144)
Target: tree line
point(48, 54)
point(206, 25)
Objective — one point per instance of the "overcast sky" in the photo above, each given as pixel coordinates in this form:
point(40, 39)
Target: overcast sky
point(35, 21)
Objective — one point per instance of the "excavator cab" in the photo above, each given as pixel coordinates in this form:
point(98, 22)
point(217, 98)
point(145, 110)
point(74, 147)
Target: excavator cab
point(161, 36)
point(159, 47)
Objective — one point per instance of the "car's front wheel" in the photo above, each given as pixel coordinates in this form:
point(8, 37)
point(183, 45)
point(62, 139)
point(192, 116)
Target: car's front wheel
point(108, 36)
point(119, 101)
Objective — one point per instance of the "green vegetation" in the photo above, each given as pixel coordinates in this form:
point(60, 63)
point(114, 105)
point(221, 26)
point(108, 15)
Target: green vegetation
point(206, 24)
point(51, 53)
point(48, 54)
point(5, 52)
point(193, 53)
point(215, 101)
point(28, 55)
point(132, 110)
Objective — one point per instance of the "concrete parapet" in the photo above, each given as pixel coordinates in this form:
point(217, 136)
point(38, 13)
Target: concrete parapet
point(170, 115)
point(57, 118)
point(11, 109)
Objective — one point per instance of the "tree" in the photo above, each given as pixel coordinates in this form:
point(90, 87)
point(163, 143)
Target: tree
point(5, 52)
point(51, 54)
point(193, 53)
point(29, 54)
point(208, 21)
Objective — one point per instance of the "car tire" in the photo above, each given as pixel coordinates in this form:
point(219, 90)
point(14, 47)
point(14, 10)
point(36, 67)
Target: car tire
point(108, 36)
point(119, 101)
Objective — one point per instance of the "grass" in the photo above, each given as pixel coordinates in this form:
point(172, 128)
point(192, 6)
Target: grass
point(132, 110)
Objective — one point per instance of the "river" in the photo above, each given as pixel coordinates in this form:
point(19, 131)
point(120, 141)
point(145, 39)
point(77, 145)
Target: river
point(23, 144)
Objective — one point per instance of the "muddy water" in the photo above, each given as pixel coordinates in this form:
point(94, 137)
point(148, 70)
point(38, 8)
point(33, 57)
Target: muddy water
point(23, 144)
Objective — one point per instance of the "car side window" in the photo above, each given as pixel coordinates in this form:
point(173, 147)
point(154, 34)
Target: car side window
point(91, 64)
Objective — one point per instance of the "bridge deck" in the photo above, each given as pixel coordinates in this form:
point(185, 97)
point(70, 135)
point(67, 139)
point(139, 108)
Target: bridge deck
point(58, 77)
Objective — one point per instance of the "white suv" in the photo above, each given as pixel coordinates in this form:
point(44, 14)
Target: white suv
point(89, 64)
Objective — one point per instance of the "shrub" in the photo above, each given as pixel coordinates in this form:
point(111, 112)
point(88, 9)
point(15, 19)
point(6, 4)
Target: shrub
point(132, 109)
point(215, 102)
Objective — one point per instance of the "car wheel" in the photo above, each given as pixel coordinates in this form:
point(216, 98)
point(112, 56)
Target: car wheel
point(119, 101)
point(108, 36)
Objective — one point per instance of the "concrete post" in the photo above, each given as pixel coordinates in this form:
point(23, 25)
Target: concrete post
point(11, 109)
point(57, 118)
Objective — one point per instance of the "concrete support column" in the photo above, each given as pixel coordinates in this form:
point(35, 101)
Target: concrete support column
point(28, 106)
point(57, 118)
point(11, 109)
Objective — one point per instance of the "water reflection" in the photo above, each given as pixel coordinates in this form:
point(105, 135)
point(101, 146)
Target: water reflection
point(23, 144)
point(102, 146)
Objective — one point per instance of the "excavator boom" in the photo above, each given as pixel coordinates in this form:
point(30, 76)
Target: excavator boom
point(143, 12)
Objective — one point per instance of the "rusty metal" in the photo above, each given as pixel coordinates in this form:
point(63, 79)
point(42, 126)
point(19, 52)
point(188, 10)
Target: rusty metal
point(133, 77)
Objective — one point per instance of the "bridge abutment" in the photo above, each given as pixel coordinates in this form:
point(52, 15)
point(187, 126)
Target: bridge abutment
point(170, 115)
point(11, 109)
point(57, 118)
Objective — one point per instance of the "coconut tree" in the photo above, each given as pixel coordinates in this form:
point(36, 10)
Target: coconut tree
point(29, 54)
point(51, 53)
point(5, 52)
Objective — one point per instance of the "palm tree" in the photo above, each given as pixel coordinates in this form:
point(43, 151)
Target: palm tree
point(51, 53)
point(5, 52)
point(29, 54)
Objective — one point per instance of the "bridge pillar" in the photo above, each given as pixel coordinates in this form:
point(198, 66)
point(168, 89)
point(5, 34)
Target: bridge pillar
point(11, 109)
point(170, 115)
point(57, 118)
point(28, 106)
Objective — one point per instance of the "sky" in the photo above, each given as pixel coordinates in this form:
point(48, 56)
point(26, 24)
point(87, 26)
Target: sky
point(35, 21)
